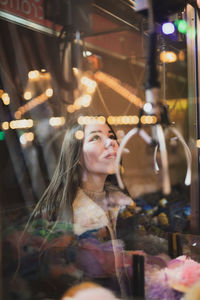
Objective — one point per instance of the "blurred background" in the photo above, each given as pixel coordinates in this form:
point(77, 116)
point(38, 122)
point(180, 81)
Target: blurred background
point(58, 57)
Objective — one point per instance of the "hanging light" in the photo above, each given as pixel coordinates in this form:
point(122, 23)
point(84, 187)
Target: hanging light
point(181, 26)
point(168, 28)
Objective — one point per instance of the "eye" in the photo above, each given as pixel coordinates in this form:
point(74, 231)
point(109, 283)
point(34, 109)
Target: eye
point(95, 138)
point(112, 136)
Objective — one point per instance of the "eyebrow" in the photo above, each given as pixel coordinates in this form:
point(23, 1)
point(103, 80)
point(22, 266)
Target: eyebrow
point(99, 131)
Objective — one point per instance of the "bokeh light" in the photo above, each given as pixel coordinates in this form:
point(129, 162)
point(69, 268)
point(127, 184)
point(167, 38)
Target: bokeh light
point(168, 28)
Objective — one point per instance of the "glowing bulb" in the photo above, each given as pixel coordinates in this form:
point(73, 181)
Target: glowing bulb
point(49, 92)
point(168, 28)
point(110, 120)
point(30, 136)
point(101, 120)
point(135, 119)
point(23, 139)
point(6, 99)
point(33, 74)
point(18, 114)
point(70, 108)
point(85, 100)
point(148, 107)
point(197, 142)
point(168, 56)
point(26, 137)
point(57, 121)
point(181, 26)
point(79, 135)
point(76, 71)
point(5, 125)
point(81, 120)
point(89, 83)
point(87, 53)
point(27, 95)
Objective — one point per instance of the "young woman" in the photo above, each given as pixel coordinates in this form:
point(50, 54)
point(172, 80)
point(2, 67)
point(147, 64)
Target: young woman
point(83, 192)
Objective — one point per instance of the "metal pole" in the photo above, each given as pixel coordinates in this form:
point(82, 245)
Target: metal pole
point(193, 42)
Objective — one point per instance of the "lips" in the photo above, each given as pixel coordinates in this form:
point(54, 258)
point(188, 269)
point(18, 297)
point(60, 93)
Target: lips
point(111, 155)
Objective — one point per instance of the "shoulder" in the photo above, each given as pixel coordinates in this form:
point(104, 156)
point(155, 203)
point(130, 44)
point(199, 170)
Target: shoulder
point(120, 199)
point(87, 214)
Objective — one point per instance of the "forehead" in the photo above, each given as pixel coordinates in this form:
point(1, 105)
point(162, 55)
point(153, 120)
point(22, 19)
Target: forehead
point(104, 128)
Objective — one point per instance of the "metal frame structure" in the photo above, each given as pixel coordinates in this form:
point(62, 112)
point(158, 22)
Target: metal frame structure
point(193, 53)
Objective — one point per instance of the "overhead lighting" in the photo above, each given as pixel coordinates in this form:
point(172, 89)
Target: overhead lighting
point(57, 121)
point(85, 120)
point(5, 125)
point(26, 137)
point(49, 92)
point(168, 56)
point(27, 95)
point(87, 53)
point(168, 28)
point(5, 98)
point(79, 135)
point(89, 84)
point(34, 74)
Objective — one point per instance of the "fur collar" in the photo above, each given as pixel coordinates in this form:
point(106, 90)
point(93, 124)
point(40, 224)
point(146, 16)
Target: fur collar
point(88, 215)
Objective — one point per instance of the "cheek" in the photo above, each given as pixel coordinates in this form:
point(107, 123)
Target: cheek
point(90, 155)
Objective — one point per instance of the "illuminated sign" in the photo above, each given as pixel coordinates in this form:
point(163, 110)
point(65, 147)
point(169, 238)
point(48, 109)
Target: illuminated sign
point(29, 13)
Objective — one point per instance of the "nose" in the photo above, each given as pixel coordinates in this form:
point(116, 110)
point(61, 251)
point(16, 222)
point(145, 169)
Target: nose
point(110, 143)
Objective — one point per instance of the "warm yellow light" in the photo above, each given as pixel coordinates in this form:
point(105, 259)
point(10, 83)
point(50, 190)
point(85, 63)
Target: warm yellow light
point(143, 119)
point(86, 100)
point(110, 120)
point(33, 74)
point(89, 84)
point(123, 120)
point(57, 121)
point(198, 143)
point(118, 87)
point(24, 123)
point(79, 135)
point(154, 119)
point(5, 125)
point(181, 55)
point(135, 120)
point(101, 120)
point(23, 139)
point(27, 95)
point(1, 92)
point(77, 104)
point(168, 56)
point(6, 99)
point(80, 120)
point(17, 114)
point(85, 120)
point(70, 108)
point(30, 136)
point(26, 137)
point(148, 119)
point(49, 92)
point(76, 71)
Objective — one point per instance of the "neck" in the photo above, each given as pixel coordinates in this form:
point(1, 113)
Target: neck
point(93, 183)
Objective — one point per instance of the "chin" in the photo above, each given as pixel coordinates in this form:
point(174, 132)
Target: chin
point(111, 171)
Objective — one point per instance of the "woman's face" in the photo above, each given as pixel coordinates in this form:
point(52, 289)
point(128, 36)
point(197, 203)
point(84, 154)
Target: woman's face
point(99, 149)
